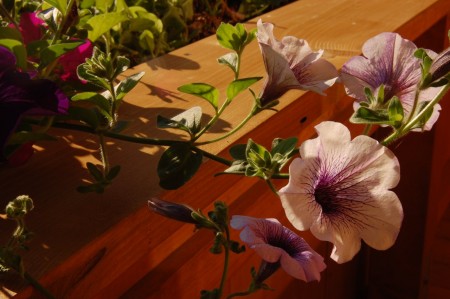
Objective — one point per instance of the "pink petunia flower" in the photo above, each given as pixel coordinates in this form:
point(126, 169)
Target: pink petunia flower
point(71, 60)
point(31, 27)
point(340, 190)
point(21, 95)
point(291, 64)
point(279, 247)
point(388, 60)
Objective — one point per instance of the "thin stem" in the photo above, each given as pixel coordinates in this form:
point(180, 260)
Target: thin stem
point(272, 187)
point(367, 129)
point(59, 32)
point(6, 14)
point(225, 263)
point(280, 176)
point(234, 130)
point(240, 294)
point(402, 131)
point(213, 120)
point(213, 157)
point(103, 154)
point(38, 286)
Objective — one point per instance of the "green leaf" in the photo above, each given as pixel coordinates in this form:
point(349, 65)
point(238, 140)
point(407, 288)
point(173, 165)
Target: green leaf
point(113, 172)
point(104, 5)
point(100, 102)
point(230, 60)
point(368, 116)
point(61, 5)
point(236, 247)
point(189, 120)
point(177, 166)
point(17, 48)
point(237, 86)
point(257, 155)
point(238, 151)
point(202, 90)
point(232, 37)
point(100, 24)
point(94, 171)
point(127, 85)
point(285, 147)
point(84, 115)
point(51, 53)
point(85, 73)
point(421, 123)
point(395, 112)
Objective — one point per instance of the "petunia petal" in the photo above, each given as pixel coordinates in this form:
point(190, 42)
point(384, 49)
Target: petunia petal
point(296, 198)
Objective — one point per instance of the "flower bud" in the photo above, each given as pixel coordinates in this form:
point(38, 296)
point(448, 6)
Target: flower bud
point(18, 207)
point(176, 211)
point(440, 66)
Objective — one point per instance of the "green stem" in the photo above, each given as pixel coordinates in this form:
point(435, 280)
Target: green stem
point(225, 263)
point(6, 14)
point(213, 120)
point(272, 187)
point(402, 131)
point(240, 294)
point(103, 154)
point(234, 130)
point(280, 176)
point(213, 157)
point(38, 286)
point(59, 31)
point(367, 129)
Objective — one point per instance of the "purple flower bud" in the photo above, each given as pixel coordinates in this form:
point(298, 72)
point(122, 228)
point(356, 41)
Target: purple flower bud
point(176, 211)
point(441, 65)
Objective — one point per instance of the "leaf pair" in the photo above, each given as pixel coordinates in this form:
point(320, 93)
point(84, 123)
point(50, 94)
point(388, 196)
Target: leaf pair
point(253, 159)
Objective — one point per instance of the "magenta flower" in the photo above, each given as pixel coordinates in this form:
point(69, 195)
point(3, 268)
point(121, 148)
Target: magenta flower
point(30, 27)
point(339, 189)
point(388, 60)
point(20, 95)
point(71, 60)
point(291, 64)
point(279, 246)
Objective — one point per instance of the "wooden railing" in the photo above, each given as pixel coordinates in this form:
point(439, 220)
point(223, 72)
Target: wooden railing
point(111, 245)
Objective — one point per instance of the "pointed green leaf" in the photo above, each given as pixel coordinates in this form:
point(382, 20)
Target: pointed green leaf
point(230, 60)
point(237, 151)
point(100, 24)
point(84, 73)
point(177, 166)
point(284, 146)
point(51, 53)
point(127, 85)
point(18, 49)
point(94, 171)
point(237, 86)
point(113, 172)
point(368, 116)
point(421, 123)
point(395, 111)
point(61, 5)
point(189, 120)
point(202, 90)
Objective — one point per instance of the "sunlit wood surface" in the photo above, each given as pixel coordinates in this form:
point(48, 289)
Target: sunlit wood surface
point(111, 245)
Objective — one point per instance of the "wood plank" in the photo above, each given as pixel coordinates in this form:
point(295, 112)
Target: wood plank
point(94, 245)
